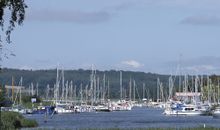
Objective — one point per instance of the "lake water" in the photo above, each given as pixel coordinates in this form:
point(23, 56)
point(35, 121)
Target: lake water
point(136, 118)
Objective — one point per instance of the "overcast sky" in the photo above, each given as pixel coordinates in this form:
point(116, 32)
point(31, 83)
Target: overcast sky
point(159, 36)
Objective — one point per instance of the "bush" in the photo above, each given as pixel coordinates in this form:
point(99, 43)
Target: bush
point(14, 120)
point(28, 123)
point(10, 120)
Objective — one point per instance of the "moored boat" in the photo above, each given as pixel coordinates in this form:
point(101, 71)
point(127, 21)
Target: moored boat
point(184, 109)
point(103, 108)
point(43, 110)
point(216, 112)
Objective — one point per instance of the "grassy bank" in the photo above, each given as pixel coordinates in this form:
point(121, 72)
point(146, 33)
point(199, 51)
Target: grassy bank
point(14, 120)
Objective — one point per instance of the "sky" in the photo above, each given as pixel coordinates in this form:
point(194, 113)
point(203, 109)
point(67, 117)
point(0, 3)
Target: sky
point(157, 36)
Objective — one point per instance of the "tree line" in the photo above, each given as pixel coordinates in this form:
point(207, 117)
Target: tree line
point(82, 77)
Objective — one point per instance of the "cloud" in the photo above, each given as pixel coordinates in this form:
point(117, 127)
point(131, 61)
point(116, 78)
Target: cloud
point(26, 68)
point(203, 65)
point(43, 61)
point(125, 6)
point(69, 16)
point(201, 68)
point(199, 65)
point(205, 60)
point(188, 4)
point(201, 20)
point(132, 63)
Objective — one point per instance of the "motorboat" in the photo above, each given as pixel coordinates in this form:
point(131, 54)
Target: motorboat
point(103, 108)
point(184, 109)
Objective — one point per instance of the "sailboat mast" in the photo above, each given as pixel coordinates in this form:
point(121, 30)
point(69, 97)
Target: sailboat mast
point(67, 88)
point(158, 89)
point(86, 94)
point(57, 86)
point(47, 92)
point(143, 90)
point(134, 89)
point(81, 94)
point(21, 84)
point(108, 90)
point(104, 88)
point(120, 85)
point(32, 89)
point(63, 85)
point(12, 88)
point(130, 89)
point(37, 88)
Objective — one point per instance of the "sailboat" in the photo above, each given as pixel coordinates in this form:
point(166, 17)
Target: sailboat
point(61, 106)
point(17, 105)
point(174, 107)
point(122, 104)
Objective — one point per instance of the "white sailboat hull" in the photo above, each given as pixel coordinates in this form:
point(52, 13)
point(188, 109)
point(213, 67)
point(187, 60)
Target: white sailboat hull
point(61, 110)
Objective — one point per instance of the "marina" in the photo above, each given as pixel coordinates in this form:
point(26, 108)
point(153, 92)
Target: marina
point(113, 64)
point(138, 117)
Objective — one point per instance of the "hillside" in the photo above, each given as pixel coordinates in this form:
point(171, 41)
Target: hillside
point(78, 77)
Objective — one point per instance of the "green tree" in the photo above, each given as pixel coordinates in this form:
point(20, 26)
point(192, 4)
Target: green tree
point(2, 97)
point(16, 8)
point(2, 100)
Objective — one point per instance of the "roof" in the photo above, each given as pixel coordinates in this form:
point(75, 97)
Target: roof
point(188, 94)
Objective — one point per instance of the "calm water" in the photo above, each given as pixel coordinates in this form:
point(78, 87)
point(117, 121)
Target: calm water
point(137, 118)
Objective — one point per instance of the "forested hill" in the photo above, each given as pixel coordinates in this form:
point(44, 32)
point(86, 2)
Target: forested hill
point(48, 77)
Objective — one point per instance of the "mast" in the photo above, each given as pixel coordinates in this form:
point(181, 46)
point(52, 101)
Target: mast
point(37, 89)
point(104, 88)
point(120, 85)
point(158, 89)
point(180, 69)
point(21, 84)
point(143, 90)
point(91, 86)
point(63, 85)
point(71, 90)
point(208, 86)
point(130, 89)
point(94, 90)
point(57, 86)
point(47, 92)
point(29, 90)
point(81, 94)
point(12, 82)
point(108, 90)
point(54, 91)
point(171, 84)
point(86, 94)
point(32, 89)
point(134, 89)
point(202, 87)
point(196, 88)
point(75, 96)
point(67, 87)
point(99, 93)
point(218, 92)
point(161, 93)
